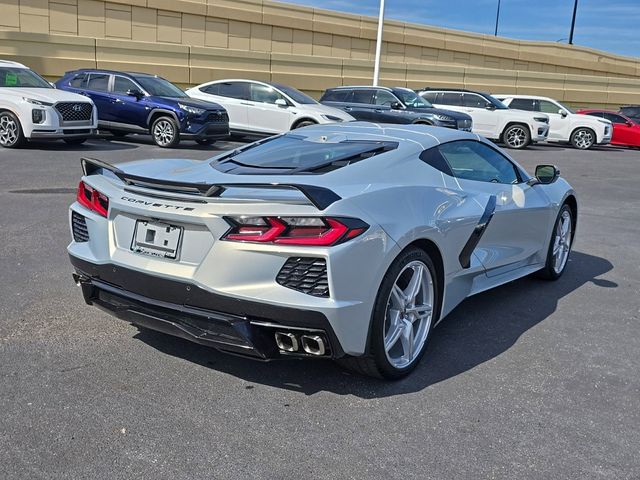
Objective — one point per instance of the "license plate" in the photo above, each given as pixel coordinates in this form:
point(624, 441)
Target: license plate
point(156, 239)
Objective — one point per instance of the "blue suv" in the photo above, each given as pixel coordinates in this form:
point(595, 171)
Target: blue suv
point(393, 105)
point(148, 104)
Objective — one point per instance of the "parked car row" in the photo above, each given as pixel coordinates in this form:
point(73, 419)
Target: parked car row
point(122, 103)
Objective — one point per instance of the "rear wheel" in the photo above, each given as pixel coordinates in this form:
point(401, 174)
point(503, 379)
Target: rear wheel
point(516, 136)
point(560, 246)
point(583, 138)
point(11, 135)
point(165, 132)
point(403, 318)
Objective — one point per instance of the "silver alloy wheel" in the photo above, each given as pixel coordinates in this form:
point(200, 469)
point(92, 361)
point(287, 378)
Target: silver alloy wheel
point(562, 242)
point(408, 315)
point(583, 139)
point(8, 131)
point(163, 132)
point(516, 137)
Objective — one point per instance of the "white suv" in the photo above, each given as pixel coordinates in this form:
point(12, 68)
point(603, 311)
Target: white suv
point(31, 108)
point(564, 124)
point(491, 118)
point(266, 108)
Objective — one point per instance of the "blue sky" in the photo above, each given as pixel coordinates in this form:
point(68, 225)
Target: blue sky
point(611, 25)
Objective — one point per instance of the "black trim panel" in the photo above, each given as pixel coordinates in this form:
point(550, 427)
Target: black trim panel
point(476, 235)
point(188, 311)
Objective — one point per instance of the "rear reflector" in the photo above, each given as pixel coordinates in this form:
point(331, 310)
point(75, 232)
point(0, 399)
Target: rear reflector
point(92, 199)
point(302, 231)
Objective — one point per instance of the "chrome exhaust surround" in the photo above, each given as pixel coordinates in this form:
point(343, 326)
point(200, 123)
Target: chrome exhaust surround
point(313, 344)
point(287, 342)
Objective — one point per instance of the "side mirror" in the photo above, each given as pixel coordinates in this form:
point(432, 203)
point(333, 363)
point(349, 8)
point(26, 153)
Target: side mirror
point(396, 106)
point(629, 123)
point(281, 102)
point(546, 174)
point(135, 93)
point(490, 107)
point(53, 84)
point(563, 113)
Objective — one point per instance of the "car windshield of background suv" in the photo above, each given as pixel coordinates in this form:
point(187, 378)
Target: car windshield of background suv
point(159, 87)
point(295, 94)
point(21, 78)
point(412, 99)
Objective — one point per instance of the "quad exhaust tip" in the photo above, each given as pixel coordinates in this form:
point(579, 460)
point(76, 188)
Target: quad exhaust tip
point(286, 342)
point(313, 344)
point(309, 344)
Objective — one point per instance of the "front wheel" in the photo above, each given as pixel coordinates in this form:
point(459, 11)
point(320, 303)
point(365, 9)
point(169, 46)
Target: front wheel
point(583, 138)
point(165, 132)
point(11, 135)
point(403, 317)
point(560, 246)
point(516, 136)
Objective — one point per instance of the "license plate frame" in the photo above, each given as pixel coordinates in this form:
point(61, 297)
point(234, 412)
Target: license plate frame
point(157, 239)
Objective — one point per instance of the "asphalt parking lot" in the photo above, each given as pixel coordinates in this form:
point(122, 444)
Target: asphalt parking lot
point(531, 380)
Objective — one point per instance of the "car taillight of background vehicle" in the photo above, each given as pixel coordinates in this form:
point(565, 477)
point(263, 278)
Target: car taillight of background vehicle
point(92, 199)
point(301, 231)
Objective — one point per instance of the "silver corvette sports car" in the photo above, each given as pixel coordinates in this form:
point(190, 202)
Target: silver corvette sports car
point(345, 241)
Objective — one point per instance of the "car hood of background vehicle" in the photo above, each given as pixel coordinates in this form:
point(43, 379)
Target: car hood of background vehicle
point(191, 102)
point(320, 109)
point(49, 95)
point(439, 111)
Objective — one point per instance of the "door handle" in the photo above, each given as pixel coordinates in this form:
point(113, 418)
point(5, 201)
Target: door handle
point(348, 109)
point(245, 103)
point(379, 110)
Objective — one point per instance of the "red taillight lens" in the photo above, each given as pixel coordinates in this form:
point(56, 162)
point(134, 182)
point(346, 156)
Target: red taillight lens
point(306, 231)
point(92, 199)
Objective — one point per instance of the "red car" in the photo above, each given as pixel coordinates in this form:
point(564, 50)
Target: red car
point(626, 132)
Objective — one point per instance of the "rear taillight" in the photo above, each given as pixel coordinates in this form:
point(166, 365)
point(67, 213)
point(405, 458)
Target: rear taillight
point(92, 199)
point(306, 231)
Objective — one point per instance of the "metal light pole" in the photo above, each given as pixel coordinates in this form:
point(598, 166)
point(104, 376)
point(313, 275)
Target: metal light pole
point(497, 18)
point(376, 70)
point(573, 22)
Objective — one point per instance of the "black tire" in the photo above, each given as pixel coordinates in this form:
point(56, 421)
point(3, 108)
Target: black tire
point(304, 123)
point(165, 132)
point(205, 141)
point(516, 136)
point(118, 133)
point(549, 272)
point(74, 141)
point(376, 363)
point(11, 134)
point(583, 138)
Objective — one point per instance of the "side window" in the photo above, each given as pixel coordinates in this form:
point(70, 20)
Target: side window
point(548, 107)
point(122, 85)
point(238, 90)
point(430, 96)
point(450, 98)
point(614, 118)
point(473, 100)
point(213, 89)
point(472, 160)
point(98, 82)
point(385, 98)
point(527, 104)
point(362, 96)
point(264, 94)
point(78, 81)
point(335, 95)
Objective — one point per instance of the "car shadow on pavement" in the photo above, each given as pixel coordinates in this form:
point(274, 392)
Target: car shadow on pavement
point(481, 328)
point(93, 145)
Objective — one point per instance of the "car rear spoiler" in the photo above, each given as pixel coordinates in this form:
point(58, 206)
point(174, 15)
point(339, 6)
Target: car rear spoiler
point(320, 197)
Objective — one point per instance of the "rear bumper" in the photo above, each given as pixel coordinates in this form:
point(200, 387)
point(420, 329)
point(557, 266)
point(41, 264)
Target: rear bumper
point(187, 311)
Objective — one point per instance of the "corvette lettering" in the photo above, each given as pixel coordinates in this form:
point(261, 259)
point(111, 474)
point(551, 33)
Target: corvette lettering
point(158, 205)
